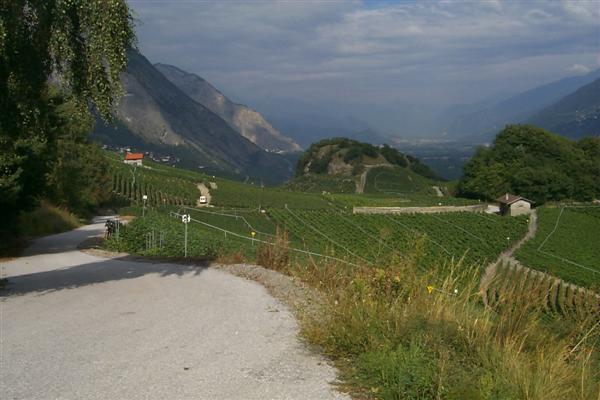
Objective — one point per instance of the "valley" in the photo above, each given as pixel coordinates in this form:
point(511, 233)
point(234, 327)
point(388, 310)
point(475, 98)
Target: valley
point(368, 200)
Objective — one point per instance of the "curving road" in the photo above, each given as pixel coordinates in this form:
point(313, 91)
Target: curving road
point(76, 326)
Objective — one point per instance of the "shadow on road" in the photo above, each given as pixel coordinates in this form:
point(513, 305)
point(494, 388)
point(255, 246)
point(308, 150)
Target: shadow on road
point(93, 273)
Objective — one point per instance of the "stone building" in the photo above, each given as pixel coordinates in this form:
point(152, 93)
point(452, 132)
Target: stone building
point(514, 205)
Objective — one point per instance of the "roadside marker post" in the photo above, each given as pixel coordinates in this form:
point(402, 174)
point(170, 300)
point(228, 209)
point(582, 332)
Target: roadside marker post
point(144, 197)
point(253, 235)
point(185, 218)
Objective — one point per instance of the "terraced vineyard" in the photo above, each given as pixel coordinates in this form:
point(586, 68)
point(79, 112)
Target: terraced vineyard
point(567, 244)
point(318, 183)
point(385, 180)
point(160, 187)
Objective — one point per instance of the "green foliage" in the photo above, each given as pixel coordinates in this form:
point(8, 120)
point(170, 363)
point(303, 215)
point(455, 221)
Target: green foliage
point(46, 219)
point(79, 179)
point(157, 234)
point(378, 239)
point(318, 156)
point(318, 183)
point(397, 180)
point(163, 186)
point(395, 339)
point(536, 164)
point(405, 199)
point(83, 44)
point(572, 251)
point(234, 194)
point(407, 372)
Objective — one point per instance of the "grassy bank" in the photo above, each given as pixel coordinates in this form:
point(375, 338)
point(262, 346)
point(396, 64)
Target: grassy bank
point(46, 219)
point(396, 333)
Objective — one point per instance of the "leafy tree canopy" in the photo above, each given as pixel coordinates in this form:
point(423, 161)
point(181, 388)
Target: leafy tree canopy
point(318, 156)
point(77, 45)
point(536, 164)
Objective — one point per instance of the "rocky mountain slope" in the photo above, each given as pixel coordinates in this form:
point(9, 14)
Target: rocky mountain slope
point(483, 124)
point(156, 115)
point(574, 116)
point(243, 119)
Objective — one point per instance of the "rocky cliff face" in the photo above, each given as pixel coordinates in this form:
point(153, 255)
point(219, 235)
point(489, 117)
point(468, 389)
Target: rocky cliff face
point(154, 112)
point(248, 122)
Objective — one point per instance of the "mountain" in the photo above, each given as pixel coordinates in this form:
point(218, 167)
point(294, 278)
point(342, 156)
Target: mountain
point(574, 116)
point(307, 123)
point(482, 124)
point(156, 115)
point(243, 119)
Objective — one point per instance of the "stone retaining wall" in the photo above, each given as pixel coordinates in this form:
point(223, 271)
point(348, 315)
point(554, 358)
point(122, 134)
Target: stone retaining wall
point(417, 210)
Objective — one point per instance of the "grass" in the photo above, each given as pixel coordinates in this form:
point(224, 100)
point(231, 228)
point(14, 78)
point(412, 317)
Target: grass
point(45, 220)
point(392, 338)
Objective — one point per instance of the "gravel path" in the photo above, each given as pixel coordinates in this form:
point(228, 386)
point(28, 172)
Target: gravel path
point(203, 192)
point(506, 257)
point(77, 326)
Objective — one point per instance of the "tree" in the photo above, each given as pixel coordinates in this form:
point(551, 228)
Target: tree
point(536, 164)
point(78, 45)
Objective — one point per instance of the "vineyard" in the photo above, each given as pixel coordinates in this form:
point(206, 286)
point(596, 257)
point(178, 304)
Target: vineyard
point(377, 239)
point(160, 234)
point(317, 223)
point(318, 183)
point(160, 186)
point(397, 180)
point(530, 287)
point(566, 245)
point(233, 194)
point(399, 200)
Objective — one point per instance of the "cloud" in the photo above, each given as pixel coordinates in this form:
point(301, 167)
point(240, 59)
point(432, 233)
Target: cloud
point(579, 69)
point(435, 53)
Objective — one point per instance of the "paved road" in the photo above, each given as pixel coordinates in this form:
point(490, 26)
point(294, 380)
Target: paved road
point(75, 326)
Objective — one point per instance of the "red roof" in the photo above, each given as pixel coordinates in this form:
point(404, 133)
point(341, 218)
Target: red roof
point(134, 156)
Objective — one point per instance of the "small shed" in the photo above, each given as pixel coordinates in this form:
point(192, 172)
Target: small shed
point(513, 205)
point(134, 158)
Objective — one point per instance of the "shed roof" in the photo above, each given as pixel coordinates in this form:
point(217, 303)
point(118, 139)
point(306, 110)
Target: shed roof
point(508, 199)
point(134, 156)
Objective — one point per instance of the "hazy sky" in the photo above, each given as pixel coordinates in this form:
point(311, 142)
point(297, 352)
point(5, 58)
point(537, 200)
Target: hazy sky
point(372, 58)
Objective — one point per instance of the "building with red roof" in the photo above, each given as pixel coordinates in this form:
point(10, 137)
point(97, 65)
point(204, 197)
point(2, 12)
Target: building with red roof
point(133, 158)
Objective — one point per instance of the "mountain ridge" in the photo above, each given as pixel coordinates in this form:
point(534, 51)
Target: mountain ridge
point(482, 124)
point(160, 115)
point(575, 115)
point(245, 120)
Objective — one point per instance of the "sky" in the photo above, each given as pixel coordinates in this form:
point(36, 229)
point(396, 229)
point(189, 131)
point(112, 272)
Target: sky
point(377, 61)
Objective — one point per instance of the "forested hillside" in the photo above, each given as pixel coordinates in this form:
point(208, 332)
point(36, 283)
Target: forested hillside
point(534, 163)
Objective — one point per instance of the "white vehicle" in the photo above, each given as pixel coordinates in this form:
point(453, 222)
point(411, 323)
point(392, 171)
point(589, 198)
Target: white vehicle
point(202, 199)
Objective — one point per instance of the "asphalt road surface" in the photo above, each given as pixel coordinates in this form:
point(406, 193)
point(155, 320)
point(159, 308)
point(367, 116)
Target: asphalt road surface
point(76, 326)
